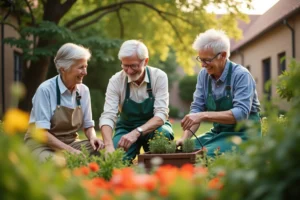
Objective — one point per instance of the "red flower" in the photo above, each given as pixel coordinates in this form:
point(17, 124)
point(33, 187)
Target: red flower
point(85, 170)
point(215, 184)
point(94, 166)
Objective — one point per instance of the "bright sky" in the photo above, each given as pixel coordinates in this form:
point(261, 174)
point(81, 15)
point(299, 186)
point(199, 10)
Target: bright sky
point(259, 7)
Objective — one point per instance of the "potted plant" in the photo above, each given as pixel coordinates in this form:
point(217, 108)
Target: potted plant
point(165, 149)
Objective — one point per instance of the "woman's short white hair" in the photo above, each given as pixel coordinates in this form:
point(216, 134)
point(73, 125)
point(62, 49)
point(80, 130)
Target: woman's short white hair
point(215, 39)
point(130, 47)
point(68, 54)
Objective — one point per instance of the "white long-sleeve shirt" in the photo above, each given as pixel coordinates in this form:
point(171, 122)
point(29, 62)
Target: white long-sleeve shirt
point(116, 93)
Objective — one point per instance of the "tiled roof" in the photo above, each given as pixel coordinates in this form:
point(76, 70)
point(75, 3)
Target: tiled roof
point(275, 15)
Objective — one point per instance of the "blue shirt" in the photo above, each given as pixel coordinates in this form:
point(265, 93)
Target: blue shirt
point(243, 91)
point(44, 103)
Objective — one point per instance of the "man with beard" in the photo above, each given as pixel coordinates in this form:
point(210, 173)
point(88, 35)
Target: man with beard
point(136, 103)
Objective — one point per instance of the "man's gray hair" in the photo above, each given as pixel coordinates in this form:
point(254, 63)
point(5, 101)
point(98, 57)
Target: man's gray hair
point(215, 39)
point(130, 47)
point(68, 54)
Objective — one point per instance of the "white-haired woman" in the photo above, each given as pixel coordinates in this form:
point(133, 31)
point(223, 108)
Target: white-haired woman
point(62, 106)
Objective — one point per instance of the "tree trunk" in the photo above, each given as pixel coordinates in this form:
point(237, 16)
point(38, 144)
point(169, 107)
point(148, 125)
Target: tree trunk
point(33, 77)
point(37, 72)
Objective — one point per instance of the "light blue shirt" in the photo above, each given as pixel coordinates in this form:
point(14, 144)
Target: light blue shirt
point(44, 103)
point(243, 91)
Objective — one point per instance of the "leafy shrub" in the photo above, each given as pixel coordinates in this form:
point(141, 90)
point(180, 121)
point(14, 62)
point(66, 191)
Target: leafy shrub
point(187, 87)
point(173, 112)
point(22, 177)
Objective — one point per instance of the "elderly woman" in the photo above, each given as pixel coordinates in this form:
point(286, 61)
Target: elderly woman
point(61, 106)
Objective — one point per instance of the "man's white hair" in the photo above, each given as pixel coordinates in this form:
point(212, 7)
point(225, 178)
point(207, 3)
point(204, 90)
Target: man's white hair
point(131, 47)
point(215, 39)
point(68, 54)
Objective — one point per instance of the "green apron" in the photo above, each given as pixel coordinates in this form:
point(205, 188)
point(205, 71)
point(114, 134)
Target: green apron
point(220, 135)
point(134, 115)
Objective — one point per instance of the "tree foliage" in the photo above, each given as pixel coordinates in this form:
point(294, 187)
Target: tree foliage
point(99, 24)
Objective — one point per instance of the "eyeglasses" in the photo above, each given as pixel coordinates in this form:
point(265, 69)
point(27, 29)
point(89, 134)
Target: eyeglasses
point(133, 66)
point(207, 61)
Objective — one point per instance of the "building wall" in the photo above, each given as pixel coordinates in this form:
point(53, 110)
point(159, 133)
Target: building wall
point(8, 76)
point(269, 45)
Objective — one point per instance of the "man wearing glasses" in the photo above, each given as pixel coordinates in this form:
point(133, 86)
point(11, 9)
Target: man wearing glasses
point(225, 95)
point(136, 103)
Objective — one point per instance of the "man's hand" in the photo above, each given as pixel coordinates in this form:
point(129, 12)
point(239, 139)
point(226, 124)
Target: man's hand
point(127, 140)
point(180, 142)
point(191, 119)
point(96, 143)
point(109, 148)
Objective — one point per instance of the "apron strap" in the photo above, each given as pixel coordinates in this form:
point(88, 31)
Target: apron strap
point(228, 81)
point(149, 89)
point(57, 93)
point(78, 97)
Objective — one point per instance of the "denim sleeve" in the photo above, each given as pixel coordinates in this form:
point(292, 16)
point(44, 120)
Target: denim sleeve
point(243, 92)
point(198, 103)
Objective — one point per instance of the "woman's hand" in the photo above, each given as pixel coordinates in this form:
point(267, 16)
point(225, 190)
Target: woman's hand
point(96, 143)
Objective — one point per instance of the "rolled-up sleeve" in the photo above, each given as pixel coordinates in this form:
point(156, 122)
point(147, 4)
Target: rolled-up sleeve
point(41, 109)
point(161, 93)
point(198, 104)
point(110, 110)
point(243, 91)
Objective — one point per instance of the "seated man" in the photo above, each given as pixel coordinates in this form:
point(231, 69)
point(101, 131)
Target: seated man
point(140, 94)
point(225, 95)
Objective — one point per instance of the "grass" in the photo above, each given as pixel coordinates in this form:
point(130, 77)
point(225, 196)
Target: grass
point(204, 127)
point(176, 128)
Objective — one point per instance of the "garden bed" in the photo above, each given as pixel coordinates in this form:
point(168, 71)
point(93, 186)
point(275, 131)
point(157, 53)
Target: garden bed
point(177, 159)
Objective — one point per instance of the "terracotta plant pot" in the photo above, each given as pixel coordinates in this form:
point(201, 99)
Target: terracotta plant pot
point(176, 159)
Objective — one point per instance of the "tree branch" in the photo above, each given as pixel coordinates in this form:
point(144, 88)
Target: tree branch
point(121, 24)
point(120, 4)
point(94, 20)
point(11, 25)
point(30, 12)
point(32, 20)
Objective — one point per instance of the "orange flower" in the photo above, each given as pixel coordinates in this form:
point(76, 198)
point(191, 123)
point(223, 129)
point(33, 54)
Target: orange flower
point(166, 174)
point(146, 181)
point(94, 166)
point(187, 171)
point(85, 170)
point(215, 184)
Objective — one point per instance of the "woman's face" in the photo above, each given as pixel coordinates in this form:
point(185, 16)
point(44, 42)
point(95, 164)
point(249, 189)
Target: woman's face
point(74, 75)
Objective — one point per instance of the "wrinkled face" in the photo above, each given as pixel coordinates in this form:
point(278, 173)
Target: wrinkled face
point(214, 63)
point(74, 75)
point(134, 67)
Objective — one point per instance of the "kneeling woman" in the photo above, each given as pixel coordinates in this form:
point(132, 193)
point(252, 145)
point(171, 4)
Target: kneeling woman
point(62, 106)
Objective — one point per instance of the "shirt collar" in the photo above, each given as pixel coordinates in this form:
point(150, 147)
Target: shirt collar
point(62, 86)
point(225, 72)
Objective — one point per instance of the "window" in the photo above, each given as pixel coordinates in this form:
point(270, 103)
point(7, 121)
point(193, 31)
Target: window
point(17, 66)
point(281, 63)
point(267, 77)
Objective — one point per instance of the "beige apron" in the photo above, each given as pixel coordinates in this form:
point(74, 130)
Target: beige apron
point(64, 126)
